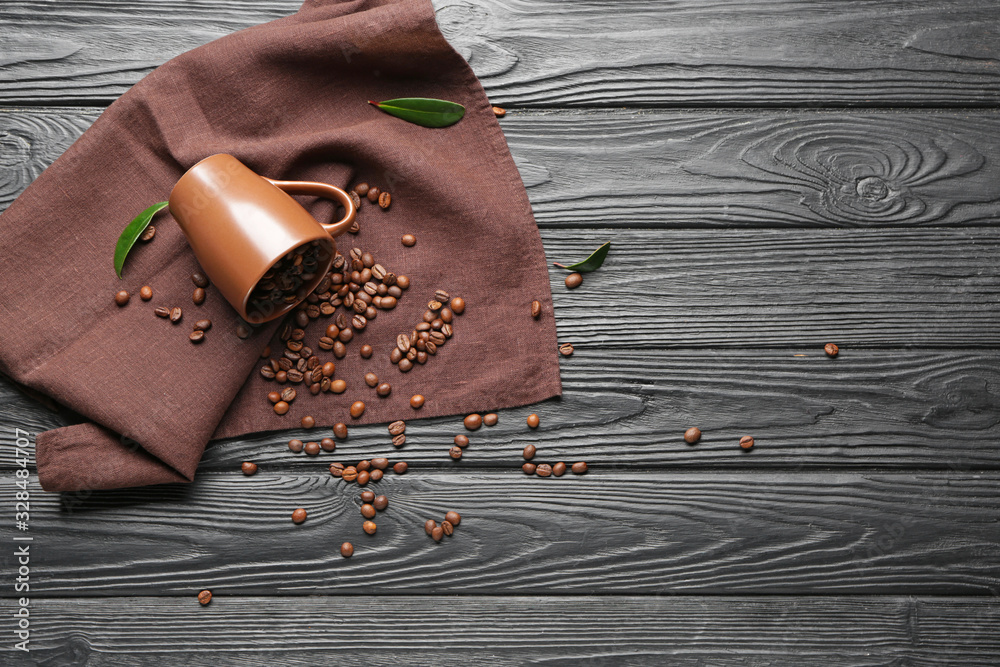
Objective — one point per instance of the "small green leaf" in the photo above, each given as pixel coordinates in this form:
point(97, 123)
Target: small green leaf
point(132, 232)
point(592, 263)
point(423, 111)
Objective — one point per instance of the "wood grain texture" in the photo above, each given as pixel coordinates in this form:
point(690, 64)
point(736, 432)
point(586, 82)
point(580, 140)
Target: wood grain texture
point(694, 169)
point(897, 409)
point(389, 630)
point(548, 53)
point(606, 532)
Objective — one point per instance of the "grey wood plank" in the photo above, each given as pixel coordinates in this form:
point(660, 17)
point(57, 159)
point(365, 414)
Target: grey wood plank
point(694, 169)
point(609, 630)
point(545, 53)
point(605, 532)
point(896, 409)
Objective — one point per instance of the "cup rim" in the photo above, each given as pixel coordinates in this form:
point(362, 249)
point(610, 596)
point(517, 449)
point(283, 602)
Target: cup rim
point(282, 311)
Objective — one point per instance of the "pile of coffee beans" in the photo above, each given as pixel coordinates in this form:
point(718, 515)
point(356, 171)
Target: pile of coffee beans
point(447, 527)
point(546, 469)
point(287, 281)
point(367, 470)
point(373, 194)
point(430, 334)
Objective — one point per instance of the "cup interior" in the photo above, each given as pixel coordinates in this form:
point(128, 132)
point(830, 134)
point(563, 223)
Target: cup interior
point(289, 280)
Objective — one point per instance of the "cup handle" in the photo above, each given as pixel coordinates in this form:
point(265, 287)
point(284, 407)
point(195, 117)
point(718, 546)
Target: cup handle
point(327, 191)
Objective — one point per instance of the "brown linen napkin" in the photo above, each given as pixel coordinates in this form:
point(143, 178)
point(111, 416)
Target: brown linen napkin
point(288, 99)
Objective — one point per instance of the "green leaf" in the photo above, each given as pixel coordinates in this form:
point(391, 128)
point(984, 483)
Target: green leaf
point(132, 233)
point(422, 110)
point(592, 263)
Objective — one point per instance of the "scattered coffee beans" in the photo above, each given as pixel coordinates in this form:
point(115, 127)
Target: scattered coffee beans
point(499, 112)
point(447, 528)
point(491, 419)
point(409, 240)
point(204, 597)
point(473, 422)
point(528, 468)
point(536, 309)
point(371, 379)
point(369, 527)
point(383, 389)
point(380, 503)
point(121, 298)
point(327, 444)
point(350, 474)
point(176, 314)
point(398, 440)
point(831, 349)
point(373, 194)
point(455, 453)
point(566, 350)
point(437, 533)
point(295, 445)
point(400, 467)
point(543, 470)
point(281, 407)
point(462, 440)
point(146, 293)
point(454, 518)
point(203, 325)
point(364, 477)
point(162, 311)
point(429, 526)
point(340, 430)
point(299, 515)
point(367, 511)
point(692, 435)
point(417, 401)
point(337, 469)
point(384, 200)
point(574, 280)
point(199, 279)
point(529, 452)
point(196, 336)
point(346, 549)
point(458, 305)
point(746, 442)
point(243, 330)
point(397, 427)
point(249, 468)
point(198, 296)
point(559, 469)
point(533, 420)
point(579, 468)
point(366, 351)
point(311, 448)
point(148, 234)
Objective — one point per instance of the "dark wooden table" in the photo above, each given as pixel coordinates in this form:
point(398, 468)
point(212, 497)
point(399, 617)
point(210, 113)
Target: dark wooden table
point(775, 176)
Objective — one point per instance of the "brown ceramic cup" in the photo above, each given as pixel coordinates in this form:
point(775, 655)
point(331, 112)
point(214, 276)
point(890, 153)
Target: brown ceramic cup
point(240, 224)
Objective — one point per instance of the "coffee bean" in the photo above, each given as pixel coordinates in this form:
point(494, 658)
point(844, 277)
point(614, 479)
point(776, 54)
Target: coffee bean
point(340, 430)
point(308, 422)
point(384, 200)
point(437, 338)
point(397, 427)
point(199, 279)
point(350, 474)
point(369, 526)
point(371, 379)
point(491, 419)
point(380, 463)
point(434, 305)
point(399, 440)
point(121, 298)
point(746, 442)
point(243, 331)
point(536, 309)
point(355, 228)
point(574, 280)
point(473, 421)
point(328, 444)
point(198, 296)
point(296, 445)
point(364, 465)
point(302, 318)
point(366, 351)
point(325, 343)
point(294, 375)
point(384, 389)
point(281, 377)
point(274, 397)
point(403, 343)
point(447, 331)
point(446, 315)
point(376, 475)
point(831, 349)
point(359, 322)
point(367, 511)
point(429, 526)
point(328, 369)
point(311, 448)
point(462, 440)
point(337, 469)
point(339, 350)
point(543, 470)
point(692, 435)
point(499, 112)
point(338, 386)
point(346, 549)
point(454, 518)
point(566, 350)
point(148, 234)
point(203, 325)
point(405, 364)
point(357, 409)
point(345, 335)
point(437, 533)
point(400, 467)
point(146, 293)
point(248, 468)
point(447, 528)
point(529, 452)
point(458, 305)
point(281, 407)
point(204, 597)
point(559, 469)
point(356, 199)
point(579, 468)
point(299, 515)
point(294, 346)
point(162, 311)
point(373, 194)
point(196, 336)
point(417, 401)
point(402, 282)
point(533, 420)
point(455, 453)
point(361, 189)
point(529, 468)
point(315, 388)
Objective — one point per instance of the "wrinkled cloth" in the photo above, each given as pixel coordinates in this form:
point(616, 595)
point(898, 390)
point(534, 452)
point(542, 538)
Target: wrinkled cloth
point(288, 98)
